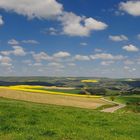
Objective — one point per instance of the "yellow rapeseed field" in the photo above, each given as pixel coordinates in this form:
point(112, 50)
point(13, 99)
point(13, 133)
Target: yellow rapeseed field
point(40, 89)
point(90, 81)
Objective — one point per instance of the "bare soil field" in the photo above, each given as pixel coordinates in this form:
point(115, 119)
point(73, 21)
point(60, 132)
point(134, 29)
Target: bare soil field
point(81, 102)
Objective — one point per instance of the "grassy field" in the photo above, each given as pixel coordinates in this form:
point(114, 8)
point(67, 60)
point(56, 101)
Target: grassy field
point(132, 103)
point(71, 91)
point(30, 121)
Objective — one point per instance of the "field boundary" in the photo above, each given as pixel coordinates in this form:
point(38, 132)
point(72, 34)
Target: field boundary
point(63, 100)
point(47, 92)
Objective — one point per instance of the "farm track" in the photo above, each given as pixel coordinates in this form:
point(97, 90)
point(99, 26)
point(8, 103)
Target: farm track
point(82, 102)
point(112, 109)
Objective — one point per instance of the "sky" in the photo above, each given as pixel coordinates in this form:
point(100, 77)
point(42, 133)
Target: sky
point(91, 38)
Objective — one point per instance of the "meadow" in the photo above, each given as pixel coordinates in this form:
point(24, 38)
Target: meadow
point(57, 109)
point(132, 103)
point(31, 121)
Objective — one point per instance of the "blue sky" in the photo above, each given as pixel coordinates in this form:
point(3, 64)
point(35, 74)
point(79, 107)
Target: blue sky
point(70, 38)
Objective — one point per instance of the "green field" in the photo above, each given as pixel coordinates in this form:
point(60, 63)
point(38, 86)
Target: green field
point(71, 91)
point(29, 121)
point(132, 102)
point(128, 99)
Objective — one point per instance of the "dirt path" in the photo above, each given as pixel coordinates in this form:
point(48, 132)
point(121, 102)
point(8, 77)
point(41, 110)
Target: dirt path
point(81, 102)
point(113, 109)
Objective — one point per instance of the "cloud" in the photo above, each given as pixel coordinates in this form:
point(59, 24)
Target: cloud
point(130, 48)
point(98, 50)
point(128, 62)
point(6, 65)
point(83, 44)
point(5, 52)
point(131, 7)
point(13, 42)
point(27, 61)
point(37, 64)
point(50, 31)
point(107, 63)
point(5, 61)
point(75, 25)
point(118, 38)
point(138, 61)
point(129, 69)
point(40, 56)
point(59, 57)
point(126, 67)
point(53, 31)
point(54, 64)
point(1, 21)
point(71, 64)
point(16, 42)
point(30, 41)
point(72, 24)
point(119, 13)
point(17, 51)
point(81, 57)
point(138, 36)
point(106, 56)
point(61, 54)
point(33, 8)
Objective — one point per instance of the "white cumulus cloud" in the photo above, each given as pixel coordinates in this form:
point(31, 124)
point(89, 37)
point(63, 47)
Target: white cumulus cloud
point(132, 7)
point(5, 61)
point(54, 64)
point(40, 56)
point(13, 42)
point(130, 48)
point(1, 21)
point(72, 24)
point(81, 57)
point(33, 8)
point(61, 54)
point(75, 25)
point(106, 56)
point(118, 38)
point(17, 51)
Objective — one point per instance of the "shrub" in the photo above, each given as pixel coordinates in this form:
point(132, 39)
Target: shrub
point(112, 98)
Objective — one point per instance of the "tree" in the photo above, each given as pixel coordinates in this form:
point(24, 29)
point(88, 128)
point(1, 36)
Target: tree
point(112, 98)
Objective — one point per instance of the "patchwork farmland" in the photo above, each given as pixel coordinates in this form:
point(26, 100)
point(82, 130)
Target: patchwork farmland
point(58, 112)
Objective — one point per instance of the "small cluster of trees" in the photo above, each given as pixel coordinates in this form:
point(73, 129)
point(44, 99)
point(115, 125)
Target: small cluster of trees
point(93, 91)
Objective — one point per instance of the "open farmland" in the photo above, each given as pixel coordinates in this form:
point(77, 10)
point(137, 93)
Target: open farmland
point(65, 113)
point(25, 121)
point(132, 103)
point(90, 81)
point(69, 70)
point(58, 99)
point(43, 89)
